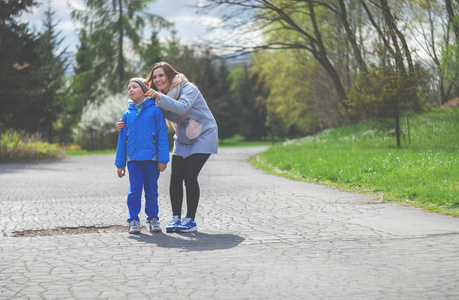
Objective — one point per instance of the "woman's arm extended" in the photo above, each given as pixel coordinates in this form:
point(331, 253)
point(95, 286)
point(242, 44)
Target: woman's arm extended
point(188, 97)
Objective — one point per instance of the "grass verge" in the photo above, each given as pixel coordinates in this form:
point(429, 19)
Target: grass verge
point(16, 146)
point(361, 158)
point(238, 141)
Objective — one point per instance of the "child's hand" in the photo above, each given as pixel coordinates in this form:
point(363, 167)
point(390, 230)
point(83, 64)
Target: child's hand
point(120, 125)
point(121, 172)
point(162, 166)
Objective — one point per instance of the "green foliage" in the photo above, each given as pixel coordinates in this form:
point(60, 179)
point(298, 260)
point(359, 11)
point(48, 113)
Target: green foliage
point(225, 110)
point(382, 92)
point(17, 146)
point(244, 91)
point(110, 27)
point(17, 64)
point(359, 158)
point(450, 62)
point(51, 68)
point(32, 74)
point(298, 97)
point(88, 152)
point(152, 52)
point(386, 92)
point(240, 141)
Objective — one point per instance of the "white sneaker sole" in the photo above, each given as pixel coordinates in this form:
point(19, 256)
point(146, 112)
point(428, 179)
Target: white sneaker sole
point(192, 229)
point(134, 231)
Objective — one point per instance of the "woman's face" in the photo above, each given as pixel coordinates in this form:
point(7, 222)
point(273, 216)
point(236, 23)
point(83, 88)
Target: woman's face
point(135, 92)
point(160, 80)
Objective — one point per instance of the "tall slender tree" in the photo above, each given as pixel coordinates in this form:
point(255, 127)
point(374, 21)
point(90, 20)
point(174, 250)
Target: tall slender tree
point(114, 30)
point(452, 7)
point(450, 55)
point(243, 97)
point(52, 66)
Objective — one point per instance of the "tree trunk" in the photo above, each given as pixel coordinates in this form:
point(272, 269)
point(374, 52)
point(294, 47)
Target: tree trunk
point(331, 71)
point(351, 37)
point(120, 46)
point(394, 32)
point(451, 16)
point(322, 56)
point(397, 122)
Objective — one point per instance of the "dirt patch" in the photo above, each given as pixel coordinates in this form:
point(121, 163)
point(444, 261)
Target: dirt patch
point(70, 231)
point(451, 103)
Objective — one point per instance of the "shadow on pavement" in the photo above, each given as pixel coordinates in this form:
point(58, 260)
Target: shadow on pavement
point(196, 241)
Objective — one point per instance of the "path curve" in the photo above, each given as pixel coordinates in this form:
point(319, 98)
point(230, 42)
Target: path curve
point(260, 237)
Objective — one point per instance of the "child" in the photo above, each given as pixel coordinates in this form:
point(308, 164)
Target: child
point(144, 144)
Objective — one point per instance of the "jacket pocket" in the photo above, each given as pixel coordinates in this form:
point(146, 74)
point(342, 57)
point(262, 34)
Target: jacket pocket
point(193, 130)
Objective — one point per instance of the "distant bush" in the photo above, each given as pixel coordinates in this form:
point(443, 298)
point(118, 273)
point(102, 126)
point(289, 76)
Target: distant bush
point(97, 130)
point(17, 146)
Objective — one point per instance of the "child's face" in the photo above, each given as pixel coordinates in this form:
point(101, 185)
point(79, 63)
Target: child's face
point(135, 92)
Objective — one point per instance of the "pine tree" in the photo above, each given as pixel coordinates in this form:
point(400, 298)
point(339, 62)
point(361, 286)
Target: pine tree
point(224, 107)
point(244, 91)
point(113, 29)
point(51, 68)
point(152, 52)
point(17, 60)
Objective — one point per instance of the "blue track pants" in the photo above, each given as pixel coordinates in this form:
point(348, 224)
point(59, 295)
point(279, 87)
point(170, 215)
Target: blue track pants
point(143, 175)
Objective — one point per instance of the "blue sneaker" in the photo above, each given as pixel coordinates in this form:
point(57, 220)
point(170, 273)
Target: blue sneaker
point(173, 223)
point(187, 225)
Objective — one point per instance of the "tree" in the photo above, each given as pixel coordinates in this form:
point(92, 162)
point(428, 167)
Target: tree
point(296, 103)
point(152, 52)
point(17, 65)
point(111, 28)
point(428, 25)
point(51, 69)
point(297, 24)
point(397, 65)
point(452, 7)
point(252, 116)
point(383, 92)
point(450, 54)
point(81, 88)
point(449, 64)
point(228, 114)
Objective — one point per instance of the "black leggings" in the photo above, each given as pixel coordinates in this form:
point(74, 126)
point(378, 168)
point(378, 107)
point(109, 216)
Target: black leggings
point(186, 170)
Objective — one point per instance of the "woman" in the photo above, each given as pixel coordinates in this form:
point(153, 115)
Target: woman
point(195, 139)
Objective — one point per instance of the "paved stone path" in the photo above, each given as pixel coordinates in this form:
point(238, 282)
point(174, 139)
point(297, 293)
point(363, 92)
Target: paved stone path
point(260, 237)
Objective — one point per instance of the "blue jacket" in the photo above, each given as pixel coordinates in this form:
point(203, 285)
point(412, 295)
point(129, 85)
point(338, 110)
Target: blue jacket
point(144, 137)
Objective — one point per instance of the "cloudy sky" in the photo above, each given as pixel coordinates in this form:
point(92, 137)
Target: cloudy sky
point(190, 25)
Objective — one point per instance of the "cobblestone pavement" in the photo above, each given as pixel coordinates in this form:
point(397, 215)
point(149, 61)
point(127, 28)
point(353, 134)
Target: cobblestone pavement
point(260, 237)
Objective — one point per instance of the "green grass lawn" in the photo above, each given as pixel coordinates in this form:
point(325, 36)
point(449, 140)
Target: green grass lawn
point(424, 173)
point(238, 141)
point(88, 152)
point(235, 141)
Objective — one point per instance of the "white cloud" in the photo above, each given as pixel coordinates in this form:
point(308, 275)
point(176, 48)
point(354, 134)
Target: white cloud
point(191, 26)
